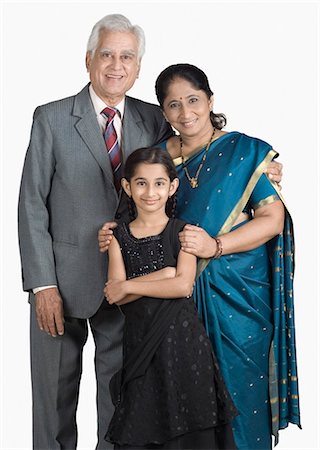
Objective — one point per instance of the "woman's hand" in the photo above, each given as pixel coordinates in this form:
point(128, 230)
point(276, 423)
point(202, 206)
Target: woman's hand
point(196, 240)
point(115, 291)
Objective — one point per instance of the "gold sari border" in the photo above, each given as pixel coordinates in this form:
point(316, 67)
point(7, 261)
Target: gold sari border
point(266, 201)
point(177, 161)
point(226, 227)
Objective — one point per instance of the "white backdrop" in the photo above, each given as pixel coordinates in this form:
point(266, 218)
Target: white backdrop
point(262, 60)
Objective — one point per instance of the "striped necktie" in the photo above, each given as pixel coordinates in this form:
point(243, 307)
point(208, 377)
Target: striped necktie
point(112, 145)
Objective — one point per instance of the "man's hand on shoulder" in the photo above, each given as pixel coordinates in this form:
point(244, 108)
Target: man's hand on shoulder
point(274, 172)
point(49, 311)
point(105, 236)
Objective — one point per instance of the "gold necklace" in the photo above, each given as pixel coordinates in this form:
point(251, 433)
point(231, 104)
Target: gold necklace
point(194, 180)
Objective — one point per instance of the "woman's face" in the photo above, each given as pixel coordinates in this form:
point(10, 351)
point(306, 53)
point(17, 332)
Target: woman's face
point(187, 109)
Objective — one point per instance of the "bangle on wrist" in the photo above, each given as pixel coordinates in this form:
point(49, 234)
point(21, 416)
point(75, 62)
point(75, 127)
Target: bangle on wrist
point(219, 248)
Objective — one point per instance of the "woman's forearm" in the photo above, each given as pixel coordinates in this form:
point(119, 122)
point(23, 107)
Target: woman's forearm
point(254, 233)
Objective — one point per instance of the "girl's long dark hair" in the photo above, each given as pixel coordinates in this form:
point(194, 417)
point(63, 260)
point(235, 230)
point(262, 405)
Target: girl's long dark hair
point(150, 155)
point(196, 77)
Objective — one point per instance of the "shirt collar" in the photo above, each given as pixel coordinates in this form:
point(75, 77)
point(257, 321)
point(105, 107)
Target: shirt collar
point(99, 104)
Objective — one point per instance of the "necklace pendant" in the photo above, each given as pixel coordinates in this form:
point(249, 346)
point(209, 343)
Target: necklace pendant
point(194, 183)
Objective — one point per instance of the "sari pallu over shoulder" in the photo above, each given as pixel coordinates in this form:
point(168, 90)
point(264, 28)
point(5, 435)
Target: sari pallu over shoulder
point(234, 164)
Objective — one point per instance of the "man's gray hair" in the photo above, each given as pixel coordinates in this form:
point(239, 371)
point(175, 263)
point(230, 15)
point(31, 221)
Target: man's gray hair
point(116, 22)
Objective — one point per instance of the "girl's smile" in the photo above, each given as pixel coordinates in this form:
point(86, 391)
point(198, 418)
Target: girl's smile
point(150, 188)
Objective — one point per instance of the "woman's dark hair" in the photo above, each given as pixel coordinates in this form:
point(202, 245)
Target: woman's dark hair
point(196, 77)
point(150, 155)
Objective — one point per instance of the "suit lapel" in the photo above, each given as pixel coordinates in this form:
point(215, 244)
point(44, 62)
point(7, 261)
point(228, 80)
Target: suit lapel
point(132, 128)
point(88, 128)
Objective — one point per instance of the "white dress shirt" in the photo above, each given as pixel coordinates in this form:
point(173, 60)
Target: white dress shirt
point(99, 106)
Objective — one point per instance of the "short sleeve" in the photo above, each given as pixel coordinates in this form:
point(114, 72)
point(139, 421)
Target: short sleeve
point(263, 193)
point(177, 225)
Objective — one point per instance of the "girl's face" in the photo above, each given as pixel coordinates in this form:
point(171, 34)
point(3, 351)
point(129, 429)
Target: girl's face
point(150, 187)
point(187, 109)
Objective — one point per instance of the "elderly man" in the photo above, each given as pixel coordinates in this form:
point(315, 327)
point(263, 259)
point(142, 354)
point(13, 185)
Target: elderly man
point(69, 189)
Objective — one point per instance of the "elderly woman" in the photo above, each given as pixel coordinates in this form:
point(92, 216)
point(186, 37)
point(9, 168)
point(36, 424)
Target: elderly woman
point(242, 234)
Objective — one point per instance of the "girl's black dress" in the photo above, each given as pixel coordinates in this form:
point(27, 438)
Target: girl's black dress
point(170, 393)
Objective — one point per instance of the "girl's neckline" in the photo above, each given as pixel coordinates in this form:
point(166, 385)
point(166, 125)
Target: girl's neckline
point(152, 236)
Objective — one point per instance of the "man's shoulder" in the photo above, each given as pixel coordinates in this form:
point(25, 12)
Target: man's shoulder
point(142, 105)
point(62, 104)
point(57, 104)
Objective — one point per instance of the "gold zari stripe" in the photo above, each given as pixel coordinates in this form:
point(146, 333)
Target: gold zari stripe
point(226, 227)
point(265, 201)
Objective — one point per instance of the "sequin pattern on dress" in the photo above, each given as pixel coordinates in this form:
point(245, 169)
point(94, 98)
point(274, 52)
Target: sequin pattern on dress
point(142, 259)
point(182, 389)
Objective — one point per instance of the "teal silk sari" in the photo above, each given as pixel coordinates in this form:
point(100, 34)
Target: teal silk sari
point(245, 299)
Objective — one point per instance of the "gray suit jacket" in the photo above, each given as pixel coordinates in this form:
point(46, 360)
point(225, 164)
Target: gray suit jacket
point(67, 193)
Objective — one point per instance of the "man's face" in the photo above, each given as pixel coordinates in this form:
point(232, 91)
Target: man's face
point(115, 65)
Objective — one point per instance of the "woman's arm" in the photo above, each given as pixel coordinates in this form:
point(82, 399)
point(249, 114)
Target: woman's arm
point(179, 286)
point(267, 222)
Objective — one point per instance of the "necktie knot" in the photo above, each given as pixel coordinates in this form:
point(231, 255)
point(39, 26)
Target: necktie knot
point(109, 113)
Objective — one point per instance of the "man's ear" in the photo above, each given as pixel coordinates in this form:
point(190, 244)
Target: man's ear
point(126, 186)
point(138, 72)
point(88, 60)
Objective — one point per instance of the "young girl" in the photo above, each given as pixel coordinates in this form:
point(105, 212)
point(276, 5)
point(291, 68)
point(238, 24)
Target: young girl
point(169, 393)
